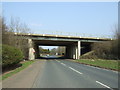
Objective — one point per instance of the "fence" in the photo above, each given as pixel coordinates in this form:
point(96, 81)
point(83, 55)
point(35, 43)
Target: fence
point(73, 34)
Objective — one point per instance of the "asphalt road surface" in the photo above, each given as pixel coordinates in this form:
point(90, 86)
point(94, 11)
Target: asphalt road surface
point(63, 74)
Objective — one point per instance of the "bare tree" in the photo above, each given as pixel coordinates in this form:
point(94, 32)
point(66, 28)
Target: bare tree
point(108, 49)
point(0, 25)
point(61, 50)
point(53, 51)
point(10, 35)
point(1, 45)
point(116, 43)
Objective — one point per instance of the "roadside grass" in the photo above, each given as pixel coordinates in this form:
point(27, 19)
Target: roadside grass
point(107, 64)
point(24, 65)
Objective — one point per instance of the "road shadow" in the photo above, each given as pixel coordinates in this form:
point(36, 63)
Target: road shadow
point(52, 58)
point(10, 68)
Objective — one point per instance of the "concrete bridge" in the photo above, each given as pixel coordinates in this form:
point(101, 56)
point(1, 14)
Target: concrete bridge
point(75, 46)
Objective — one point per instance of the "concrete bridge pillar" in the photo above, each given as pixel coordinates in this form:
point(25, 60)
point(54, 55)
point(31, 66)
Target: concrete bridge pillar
point(37, 54)
point(31, 50)
point(79, 50)
point(76, 52)
point(73, 51)
point(69, 52)
point(76, 49)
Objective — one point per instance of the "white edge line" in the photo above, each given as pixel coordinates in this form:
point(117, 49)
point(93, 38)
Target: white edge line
point(102, 69)
point(104, 85)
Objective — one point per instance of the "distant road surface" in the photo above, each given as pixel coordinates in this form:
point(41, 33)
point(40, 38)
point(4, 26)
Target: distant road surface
point(62, 74)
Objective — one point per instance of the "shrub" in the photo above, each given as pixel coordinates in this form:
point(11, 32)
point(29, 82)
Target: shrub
point(89, 55)
point(10, 56)
point(106, 50)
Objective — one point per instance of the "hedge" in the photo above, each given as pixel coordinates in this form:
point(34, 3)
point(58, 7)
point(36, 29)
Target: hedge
point(11, 55)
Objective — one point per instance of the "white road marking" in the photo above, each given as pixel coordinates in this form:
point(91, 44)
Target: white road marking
point(104, 85)
point(93, 67)
point(58, 61)
point(101, 68)
point(75, 70)
point(116, 72)
point(63, 64)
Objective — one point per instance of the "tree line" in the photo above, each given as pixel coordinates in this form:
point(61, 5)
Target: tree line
point(14, 48)
point(54, 51)
point(106, 49)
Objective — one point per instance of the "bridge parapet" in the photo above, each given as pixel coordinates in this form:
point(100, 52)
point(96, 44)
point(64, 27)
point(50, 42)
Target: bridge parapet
point(64, 36)
point(74, 34)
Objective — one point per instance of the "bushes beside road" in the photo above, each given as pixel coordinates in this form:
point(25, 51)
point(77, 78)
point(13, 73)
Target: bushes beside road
point(24, 65)
point(109, 50)
point(11, 61)
point(11, 56)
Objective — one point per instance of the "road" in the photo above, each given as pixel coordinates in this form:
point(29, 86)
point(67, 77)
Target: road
point(64, 74)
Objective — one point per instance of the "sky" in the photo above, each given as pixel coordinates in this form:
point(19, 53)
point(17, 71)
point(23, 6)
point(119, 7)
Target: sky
point(69, 18)
point(48, 47)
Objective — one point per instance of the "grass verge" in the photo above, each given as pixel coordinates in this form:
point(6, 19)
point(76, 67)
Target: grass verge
point(24, 65)
point(107, 64)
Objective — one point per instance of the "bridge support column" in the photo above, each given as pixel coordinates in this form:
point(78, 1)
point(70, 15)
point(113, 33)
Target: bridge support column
point(79, 50)
point(70, 52)
point(74, 51)
point(37, 54)
point(31, 50)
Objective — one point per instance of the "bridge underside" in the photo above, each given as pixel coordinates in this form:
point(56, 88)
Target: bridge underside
point(74, 49)
point(75, 45)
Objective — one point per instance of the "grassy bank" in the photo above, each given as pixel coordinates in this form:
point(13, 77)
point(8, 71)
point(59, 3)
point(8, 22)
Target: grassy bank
point(108, 64)
point(24, 65)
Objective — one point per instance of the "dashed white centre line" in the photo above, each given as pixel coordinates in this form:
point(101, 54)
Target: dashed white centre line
point(75, 70)
point(104, 85)
point(71, 68)
point(82, 73)
point(63, 64)
point(58, 61)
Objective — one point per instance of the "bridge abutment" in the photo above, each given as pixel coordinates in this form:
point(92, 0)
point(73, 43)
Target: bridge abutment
point(37, 54)
point(73, 51)
point(31, 55)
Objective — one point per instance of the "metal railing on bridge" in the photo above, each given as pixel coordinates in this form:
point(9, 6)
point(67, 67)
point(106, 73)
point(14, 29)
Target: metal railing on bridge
point(74, 34)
